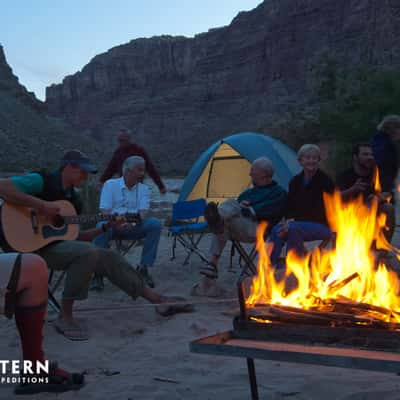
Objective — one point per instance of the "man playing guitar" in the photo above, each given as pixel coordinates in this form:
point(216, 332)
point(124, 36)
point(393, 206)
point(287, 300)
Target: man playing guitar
point(79, 258)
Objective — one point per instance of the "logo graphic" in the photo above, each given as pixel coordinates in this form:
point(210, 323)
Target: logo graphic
point(16, 371)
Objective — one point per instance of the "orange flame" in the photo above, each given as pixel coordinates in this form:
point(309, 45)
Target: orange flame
point(319, 276)
point(377, 181)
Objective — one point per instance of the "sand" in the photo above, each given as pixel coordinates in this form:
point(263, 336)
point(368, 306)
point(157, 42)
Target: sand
point(136, 354)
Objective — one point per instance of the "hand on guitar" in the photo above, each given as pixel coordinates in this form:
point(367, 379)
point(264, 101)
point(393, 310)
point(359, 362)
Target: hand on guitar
point(48, 209)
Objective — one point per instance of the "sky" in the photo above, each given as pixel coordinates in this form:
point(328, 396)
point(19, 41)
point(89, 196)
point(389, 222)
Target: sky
point(45, 40)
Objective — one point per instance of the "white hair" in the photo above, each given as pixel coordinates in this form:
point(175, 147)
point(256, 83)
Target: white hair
point(265, 164)
point(389, 124)
point(308, 148)
point(132, 162)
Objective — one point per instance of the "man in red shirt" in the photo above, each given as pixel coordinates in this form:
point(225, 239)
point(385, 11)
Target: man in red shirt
point(126, 149)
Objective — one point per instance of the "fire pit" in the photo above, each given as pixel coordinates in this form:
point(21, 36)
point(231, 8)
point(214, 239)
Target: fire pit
point(338, 307)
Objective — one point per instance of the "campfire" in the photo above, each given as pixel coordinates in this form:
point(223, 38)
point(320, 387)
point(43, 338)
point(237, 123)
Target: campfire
point(344, 294)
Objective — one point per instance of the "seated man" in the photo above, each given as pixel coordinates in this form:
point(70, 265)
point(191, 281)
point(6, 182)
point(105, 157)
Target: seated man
point(23, 293)
point(237, 219)
point(359, 180)
point(305, 207)
point(80, 259)
point(128, 195)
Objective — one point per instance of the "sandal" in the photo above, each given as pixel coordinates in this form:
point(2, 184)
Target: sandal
point(58, 381)
point(72, 331)
point(175, 305)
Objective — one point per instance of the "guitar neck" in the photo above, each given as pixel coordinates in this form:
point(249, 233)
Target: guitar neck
point(87, 219)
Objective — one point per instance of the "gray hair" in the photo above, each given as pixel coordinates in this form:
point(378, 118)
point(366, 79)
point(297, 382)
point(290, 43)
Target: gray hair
point(132, 162)
point(308, 148)
point(265, 164)
point(389, 124)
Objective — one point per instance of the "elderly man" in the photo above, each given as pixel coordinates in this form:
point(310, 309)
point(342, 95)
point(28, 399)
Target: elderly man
point(126, 149)
point(80, 259)
point(128, 195)
point(238, 219)
point(358, 180)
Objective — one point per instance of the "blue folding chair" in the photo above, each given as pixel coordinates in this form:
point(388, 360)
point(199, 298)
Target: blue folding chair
point(186, 226)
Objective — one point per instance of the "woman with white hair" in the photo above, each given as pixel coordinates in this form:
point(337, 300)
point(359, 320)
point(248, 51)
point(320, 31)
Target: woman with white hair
point(305, 206)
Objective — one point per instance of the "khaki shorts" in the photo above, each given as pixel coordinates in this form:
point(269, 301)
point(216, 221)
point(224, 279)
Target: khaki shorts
point(6, 266)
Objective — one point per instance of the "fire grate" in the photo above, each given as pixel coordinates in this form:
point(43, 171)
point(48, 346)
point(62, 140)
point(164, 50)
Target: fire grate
point(344, 334)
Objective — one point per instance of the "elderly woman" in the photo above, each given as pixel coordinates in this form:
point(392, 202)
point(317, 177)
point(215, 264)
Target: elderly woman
point(305, 206)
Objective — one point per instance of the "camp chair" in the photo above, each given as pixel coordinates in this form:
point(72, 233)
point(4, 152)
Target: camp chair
point(252, 254)
point(123, 247)
point(186, 226)
point(52, 302)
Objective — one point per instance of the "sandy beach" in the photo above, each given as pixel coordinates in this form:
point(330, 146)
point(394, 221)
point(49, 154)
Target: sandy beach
point(133, 353)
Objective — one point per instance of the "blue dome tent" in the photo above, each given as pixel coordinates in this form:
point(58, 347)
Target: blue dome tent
point(222, 171)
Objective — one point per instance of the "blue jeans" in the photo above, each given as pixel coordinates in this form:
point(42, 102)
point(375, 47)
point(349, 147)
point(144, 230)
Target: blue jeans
point(149, 230)
point(298, 233)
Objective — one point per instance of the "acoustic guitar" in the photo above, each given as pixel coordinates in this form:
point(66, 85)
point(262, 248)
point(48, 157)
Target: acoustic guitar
point(24, 230)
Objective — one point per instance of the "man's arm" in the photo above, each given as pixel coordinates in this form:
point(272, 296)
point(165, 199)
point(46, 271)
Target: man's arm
point(105, 208)
point(110, 170)
point(11, 194)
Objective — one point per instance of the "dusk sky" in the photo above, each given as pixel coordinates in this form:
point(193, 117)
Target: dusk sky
point(46, 40)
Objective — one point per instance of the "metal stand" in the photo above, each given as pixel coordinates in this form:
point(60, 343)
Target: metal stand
point(251, 369)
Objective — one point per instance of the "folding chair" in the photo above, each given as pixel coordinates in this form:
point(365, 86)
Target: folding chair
point(52, 302)
point(123, 247)
point(186, 226)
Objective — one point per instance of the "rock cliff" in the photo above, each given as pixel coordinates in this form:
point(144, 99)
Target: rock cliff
point(180, 94)
point(30, 139)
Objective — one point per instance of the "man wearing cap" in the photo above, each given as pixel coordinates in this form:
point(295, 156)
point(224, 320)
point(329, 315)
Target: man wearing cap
point(80, 259)
point(126, 149)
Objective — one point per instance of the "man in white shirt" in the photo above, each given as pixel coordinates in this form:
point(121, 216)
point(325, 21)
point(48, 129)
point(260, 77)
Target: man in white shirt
point(128, 195)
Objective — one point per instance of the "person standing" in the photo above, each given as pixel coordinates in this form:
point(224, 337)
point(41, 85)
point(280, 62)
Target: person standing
point(127, 149)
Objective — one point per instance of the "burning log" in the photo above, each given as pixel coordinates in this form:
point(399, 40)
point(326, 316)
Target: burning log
point(335, 285)
point(339, 314)
point(349, 305)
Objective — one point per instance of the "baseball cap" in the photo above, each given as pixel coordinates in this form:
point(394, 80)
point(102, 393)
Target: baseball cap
point(76, 157)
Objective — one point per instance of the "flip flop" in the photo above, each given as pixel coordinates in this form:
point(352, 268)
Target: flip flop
point(71, 331)
point(59, 381)
point(179, 305)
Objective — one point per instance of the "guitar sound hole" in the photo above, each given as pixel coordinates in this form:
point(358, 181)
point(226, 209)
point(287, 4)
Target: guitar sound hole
point(58, 221)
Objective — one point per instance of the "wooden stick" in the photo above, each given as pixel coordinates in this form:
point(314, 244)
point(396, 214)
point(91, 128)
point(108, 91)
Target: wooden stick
point(335, 285)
